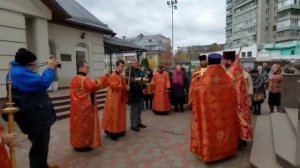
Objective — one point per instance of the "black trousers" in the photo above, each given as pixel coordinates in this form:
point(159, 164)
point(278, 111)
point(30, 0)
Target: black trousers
point(38, 153)
point(148, 100)
point(179, 101)
point(256, 108)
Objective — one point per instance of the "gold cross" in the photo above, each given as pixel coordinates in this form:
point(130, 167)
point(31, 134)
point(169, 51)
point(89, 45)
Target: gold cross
point(216, 79)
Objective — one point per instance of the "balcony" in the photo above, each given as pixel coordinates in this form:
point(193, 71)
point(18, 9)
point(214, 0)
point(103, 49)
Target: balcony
point(228, 20)
point(237, 36)
point(240, 3)
point(228, 12)
point(285, 3)
point(228, 35)
point(288, 4)
point(228, 28)
point(228, 6)
point(287, 38)
point(288, 25)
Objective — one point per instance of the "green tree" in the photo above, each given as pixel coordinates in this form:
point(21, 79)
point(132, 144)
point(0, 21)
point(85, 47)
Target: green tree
point(145, 62)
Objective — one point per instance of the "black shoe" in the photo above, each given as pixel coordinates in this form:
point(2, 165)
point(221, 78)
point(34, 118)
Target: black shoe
point(142, 126)
point(114, 137)
point(135, 129)
point(242, 143)
point(85, 149)
point(121, 134)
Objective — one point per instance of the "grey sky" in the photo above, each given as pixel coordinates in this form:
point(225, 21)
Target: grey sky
point(196, 22)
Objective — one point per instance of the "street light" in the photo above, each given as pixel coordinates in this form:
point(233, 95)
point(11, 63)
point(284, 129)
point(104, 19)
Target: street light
point(173, 5)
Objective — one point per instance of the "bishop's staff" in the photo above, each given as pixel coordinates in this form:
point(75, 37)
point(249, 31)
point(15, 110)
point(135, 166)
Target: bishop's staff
point(10, 110)
point(129, 73)
point(243, 45)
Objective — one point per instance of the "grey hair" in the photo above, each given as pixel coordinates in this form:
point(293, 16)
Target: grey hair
point(80, 64)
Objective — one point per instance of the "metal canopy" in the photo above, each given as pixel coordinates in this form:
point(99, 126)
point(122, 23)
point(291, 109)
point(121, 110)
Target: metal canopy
point(115, 45)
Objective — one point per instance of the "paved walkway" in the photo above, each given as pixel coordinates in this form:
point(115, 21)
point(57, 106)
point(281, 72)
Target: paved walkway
point(164, 144)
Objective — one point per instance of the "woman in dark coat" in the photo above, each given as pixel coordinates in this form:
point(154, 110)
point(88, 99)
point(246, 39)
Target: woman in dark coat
point(258, 88)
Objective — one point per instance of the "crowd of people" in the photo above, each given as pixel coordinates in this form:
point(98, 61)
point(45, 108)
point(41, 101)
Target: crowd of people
point(221, 94)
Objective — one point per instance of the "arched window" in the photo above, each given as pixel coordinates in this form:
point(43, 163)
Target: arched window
point(52, 49)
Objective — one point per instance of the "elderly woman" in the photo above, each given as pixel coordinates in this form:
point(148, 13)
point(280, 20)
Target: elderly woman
point(258, 89)
point(177, 88)
point(274, 88)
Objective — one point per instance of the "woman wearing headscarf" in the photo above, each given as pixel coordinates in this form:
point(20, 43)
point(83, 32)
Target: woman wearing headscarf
point(258, 89)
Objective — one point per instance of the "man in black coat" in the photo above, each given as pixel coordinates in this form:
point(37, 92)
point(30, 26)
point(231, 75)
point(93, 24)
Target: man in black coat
point(135, 95)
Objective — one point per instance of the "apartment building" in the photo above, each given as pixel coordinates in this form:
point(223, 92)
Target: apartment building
point(257, 23)
point(288, 23)
point(241, 22)
point(267, 22)
point(158, 46)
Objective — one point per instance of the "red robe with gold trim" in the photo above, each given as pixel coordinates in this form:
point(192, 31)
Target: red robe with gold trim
point(194, 83)
point(84, 117)
point(4, 159)
point(245, 118)
point(114, 115)
point(161, 100)
point(192, 96)
point(215, 104)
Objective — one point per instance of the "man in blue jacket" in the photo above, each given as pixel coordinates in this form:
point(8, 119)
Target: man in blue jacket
point(36, 113)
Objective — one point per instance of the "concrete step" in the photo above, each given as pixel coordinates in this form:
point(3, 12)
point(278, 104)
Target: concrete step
point(284, 140)
point(293, 117)
point(262, 151)
point(62, 108)
point(61, 102)
point(63, 115)
point(101, 97)
point(62, 97)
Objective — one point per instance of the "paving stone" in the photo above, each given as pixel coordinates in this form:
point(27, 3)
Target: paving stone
point(163, 144)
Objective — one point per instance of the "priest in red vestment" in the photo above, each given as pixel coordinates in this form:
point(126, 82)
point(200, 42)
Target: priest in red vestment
point(215, 136)
point(84, 119)
point(196, 77)
point(114, 115)
point(235, 71)
point(161, 85)
point(5, 140)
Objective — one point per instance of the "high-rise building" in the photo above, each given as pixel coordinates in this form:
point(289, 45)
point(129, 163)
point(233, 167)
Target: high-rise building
point(288, 23)
point(241, 22)
point(267, 20)
point(261, 22)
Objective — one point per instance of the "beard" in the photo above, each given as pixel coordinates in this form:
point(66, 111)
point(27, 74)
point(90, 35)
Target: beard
point(203, 65)
point(227, 65)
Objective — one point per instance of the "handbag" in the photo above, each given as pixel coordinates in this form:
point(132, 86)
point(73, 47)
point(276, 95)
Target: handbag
point(258, 97)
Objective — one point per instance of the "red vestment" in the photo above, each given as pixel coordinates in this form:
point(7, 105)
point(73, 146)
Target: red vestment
point(114, 116)
point(214, 134)
point(161, 100)
point(4, 159)
point(84, 117)
point(245, 118)
point(194, 83)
